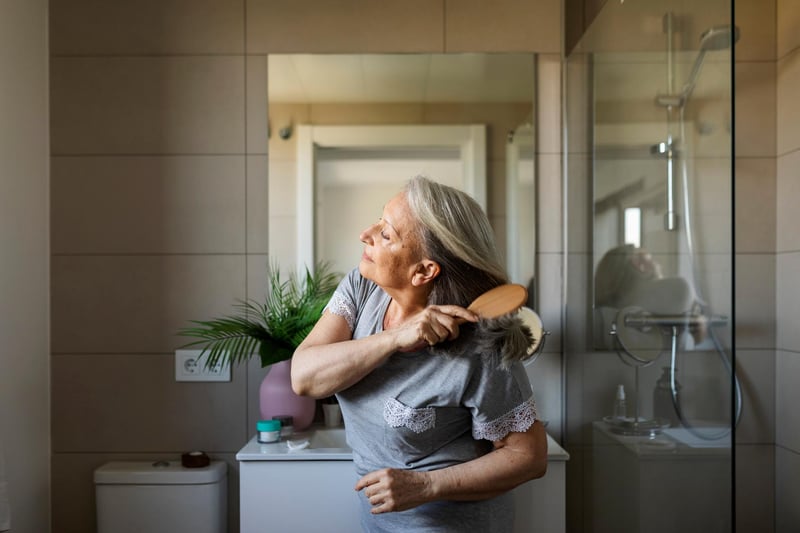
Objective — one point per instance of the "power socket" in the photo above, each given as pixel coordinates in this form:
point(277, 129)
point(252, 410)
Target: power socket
point(191, 366)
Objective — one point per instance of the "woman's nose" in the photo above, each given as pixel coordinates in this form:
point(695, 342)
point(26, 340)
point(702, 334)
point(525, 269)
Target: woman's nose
point(366, 234)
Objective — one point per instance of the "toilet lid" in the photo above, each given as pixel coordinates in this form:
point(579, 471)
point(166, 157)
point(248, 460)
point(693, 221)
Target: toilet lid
point(158, 473)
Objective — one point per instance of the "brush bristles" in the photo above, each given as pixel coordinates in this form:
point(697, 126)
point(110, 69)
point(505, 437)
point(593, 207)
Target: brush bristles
point(505, 339)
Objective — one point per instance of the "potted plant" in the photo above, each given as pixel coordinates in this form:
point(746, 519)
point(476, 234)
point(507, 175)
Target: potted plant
point(272, 329)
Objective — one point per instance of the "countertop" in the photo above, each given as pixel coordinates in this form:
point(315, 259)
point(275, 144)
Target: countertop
point(331, 447)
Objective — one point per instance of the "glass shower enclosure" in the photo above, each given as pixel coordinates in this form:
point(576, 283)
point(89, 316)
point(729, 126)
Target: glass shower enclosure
point(651, 397)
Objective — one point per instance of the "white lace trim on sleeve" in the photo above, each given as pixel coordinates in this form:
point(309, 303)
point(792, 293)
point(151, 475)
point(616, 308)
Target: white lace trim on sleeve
point(519, 419)
point(339, 305)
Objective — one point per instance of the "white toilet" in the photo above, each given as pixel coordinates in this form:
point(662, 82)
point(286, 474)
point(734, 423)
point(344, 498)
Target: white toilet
point(161, 497)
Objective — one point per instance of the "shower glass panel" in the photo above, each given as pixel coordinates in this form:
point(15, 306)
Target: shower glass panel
point(652, 401)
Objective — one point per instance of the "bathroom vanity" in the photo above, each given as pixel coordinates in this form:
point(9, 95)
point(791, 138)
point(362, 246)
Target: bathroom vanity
point(311, 489)
point(634, 476)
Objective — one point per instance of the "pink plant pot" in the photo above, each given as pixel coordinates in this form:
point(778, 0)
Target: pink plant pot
point(276, 397)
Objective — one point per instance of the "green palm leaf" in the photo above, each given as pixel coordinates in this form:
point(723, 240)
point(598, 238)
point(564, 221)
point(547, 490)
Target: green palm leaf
point(273, 328)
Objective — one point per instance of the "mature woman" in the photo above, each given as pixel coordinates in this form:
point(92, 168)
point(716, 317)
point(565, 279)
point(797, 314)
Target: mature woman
point(438, 409)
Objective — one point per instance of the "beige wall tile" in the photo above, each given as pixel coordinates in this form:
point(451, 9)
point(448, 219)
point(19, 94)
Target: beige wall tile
point(503, 26)
point(258, 272)
point(73, 489)
point(257, 116)
point(257, 205)
point(788, 191)
point(147, 105)
point(756, 187)
point(88, 27)
point(755, 475)
point(171, 204)
point(755, 370)
point(788, 307)
point(136, 304)
point(788, 26)
point(99, 404)
point(787, 490)
point(756, 22)
point(755, 301)
point(788, 104)
point(255, 375)
point(787, 395)
point(274, 26)
point(755, 109)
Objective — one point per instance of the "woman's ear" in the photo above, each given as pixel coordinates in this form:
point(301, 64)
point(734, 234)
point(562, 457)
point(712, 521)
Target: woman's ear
point(425, 272)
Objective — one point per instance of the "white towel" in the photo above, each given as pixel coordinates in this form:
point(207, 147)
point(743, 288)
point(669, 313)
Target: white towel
point(5, 507)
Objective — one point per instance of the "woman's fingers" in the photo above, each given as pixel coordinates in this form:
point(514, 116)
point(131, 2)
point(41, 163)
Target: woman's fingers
point(432, 325)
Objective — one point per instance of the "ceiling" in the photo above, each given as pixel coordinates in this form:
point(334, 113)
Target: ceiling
point(425, 78)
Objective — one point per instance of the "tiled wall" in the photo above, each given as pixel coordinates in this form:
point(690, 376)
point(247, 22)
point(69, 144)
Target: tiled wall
point(159, 199)
point(755, 263)
point(787, 365)
point(24, 266)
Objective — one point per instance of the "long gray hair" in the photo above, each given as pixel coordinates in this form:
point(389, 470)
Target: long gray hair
point(455, 232)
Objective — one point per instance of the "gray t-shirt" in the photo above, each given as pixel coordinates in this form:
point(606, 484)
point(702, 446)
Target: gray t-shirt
point(421, 411)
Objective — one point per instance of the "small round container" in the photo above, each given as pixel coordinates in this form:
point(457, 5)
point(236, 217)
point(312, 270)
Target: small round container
point(287, 425)
point(268, 431)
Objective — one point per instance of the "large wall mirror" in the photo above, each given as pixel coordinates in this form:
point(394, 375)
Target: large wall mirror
point(346, 131)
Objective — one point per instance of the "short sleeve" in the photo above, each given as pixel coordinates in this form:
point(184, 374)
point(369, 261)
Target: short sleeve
point(343, 303)
point(501, 401)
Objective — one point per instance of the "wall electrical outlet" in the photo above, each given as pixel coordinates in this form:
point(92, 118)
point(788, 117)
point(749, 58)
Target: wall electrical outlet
point(191, 366)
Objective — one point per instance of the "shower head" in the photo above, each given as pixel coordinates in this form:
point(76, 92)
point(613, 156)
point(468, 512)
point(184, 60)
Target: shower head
point(719, 37)
point(713, 39)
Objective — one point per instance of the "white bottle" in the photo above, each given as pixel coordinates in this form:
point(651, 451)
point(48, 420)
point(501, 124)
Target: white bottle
point(620, 409)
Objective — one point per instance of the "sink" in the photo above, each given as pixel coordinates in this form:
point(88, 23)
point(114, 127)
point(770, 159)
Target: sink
point(326, 438)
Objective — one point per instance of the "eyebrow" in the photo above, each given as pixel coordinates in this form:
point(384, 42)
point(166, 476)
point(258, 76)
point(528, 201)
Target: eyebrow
point(391, 226)
point(399, 236)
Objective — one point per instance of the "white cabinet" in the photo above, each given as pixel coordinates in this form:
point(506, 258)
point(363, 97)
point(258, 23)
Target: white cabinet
point(312, 491)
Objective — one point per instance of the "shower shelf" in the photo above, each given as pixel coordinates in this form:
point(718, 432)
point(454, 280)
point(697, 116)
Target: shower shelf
point(670, 321)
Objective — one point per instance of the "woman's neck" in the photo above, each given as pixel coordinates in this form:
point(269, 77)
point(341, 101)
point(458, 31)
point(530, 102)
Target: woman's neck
point(402, 306)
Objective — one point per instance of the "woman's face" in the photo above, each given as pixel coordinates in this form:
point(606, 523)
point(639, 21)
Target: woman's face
point(391, 246)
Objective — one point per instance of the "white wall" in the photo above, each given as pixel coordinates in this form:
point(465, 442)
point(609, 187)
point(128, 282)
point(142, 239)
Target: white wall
point(24, 264)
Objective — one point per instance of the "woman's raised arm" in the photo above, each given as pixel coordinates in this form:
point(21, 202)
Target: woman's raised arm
point(328, 360)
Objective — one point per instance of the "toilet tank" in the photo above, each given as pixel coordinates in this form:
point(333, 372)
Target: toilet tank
point(161, 497)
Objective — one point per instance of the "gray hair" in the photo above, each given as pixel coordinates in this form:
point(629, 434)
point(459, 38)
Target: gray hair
point(455, 232)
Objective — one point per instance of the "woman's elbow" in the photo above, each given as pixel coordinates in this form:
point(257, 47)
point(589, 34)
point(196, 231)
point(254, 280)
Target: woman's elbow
point(301, 385)
point(538, 467)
